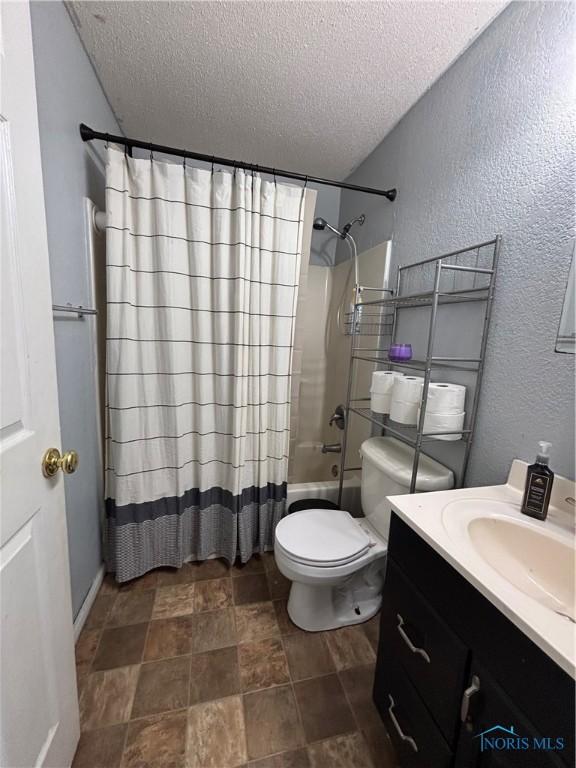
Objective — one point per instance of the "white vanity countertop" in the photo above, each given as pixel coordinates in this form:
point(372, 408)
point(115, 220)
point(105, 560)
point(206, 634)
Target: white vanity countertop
point(424, 513)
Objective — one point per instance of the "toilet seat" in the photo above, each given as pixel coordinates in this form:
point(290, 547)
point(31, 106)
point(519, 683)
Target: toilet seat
point(322, 537)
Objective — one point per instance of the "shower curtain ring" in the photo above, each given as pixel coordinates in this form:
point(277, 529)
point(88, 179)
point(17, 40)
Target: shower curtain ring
point(151, 154)
point(212, 169)
point(274, 176)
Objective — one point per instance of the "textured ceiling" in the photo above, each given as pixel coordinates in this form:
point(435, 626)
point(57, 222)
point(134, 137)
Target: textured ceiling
point(309, 86)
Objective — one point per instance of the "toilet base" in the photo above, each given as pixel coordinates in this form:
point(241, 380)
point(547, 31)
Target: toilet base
point(319, 608)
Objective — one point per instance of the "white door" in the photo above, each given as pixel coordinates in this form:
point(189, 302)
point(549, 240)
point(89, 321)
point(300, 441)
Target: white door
point(38, 704)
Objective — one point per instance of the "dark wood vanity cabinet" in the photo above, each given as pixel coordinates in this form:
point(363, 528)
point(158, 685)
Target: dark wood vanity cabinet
point(451, 666)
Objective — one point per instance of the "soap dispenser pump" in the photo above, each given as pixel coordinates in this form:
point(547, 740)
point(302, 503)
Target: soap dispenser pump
point(539, 479)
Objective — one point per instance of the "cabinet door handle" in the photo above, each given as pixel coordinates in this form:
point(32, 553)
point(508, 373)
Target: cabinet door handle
point(467, 696)
point(409, 642)
point(396, 724)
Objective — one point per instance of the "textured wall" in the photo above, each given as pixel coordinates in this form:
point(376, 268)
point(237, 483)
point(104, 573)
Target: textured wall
point(69, 93)
point(489, 150)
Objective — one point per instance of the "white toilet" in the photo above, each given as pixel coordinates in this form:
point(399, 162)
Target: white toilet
point(336, 562)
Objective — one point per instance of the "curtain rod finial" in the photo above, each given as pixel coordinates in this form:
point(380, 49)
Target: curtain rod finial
point(85, 132)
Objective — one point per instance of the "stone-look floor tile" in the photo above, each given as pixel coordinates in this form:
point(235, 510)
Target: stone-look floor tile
point(251, 589)
point(156, 742)
point(308, 655)
point(268, 560)
point(323, 708)
point(173, 601)
point(381, 747)
point(372, 631)
point(109, 585)
point(209, 569)
point(101, 748)
point(278, 583)
point(256, 621)
point(120, 647)
point(358, 683)
point(131, 607)
point(349, 647)
point(162, 686)
point(350, 751)
point(209, 631)
point(167, 638)
point(141, 584)
point(212, 595)
point(82, 675)
point(296, 758)
point(107, 697)
point(86, 646)
point(272, 722)
point(287, 626)
point(254, 565)
point(100, 611)
point(216, 734)
point(262, 664)
point(214, 675)
point(171, 577)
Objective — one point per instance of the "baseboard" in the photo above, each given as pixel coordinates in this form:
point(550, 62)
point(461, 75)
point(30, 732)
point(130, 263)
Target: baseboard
point(80, 619)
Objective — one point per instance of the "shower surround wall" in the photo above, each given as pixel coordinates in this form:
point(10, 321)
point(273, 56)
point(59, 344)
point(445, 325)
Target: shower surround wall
point(489, 149)
point(322, 354)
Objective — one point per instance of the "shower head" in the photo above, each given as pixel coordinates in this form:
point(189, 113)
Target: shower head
point(320, 224)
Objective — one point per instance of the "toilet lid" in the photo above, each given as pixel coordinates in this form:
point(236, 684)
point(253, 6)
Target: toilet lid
point(327, 536)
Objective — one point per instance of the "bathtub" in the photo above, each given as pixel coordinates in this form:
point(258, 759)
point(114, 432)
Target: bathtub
point(328, 489)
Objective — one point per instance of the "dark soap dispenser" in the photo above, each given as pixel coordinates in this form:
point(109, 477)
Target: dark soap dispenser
point(539, 479)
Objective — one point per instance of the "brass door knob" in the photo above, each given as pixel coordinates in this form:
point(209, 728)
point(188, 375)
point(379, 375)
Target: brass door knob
point(52, 461)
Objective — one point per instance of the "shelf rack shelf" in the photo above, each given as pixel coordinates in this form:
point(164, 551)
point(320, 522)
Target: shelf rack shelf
point(409, 435)
point(458, 277)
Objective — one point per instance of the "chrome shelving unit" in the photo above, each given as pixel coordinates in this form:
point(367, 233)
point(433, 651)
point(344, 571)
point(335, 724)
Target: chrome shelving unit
point(459, 277)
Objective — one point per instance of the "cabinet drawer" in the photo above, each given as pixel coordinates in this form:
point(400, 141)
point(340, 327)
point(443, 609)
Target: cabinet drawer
point(434, 658)
point(416, 738)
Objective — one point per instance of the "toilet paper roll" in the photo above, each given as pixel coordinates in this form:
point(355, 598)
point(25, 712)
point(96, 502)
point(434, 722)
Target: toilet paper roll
point(383, 381)
point(404, 413)
point(408, 389)
point(380, 403)
point(445, 398)
point(436, 422)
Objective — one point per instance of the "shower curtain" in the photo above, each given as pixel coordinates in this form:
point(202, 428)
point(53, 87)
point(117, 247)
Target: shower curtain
point(202, 287)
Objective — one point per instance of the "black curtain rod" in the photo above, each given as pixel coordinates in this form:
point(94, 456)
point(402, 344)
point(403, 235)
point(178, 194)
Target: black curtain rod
point(88, 134)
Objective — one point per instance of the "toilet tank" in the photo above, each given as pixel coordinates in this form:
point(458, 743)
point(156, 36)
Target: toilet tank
point(387, 471)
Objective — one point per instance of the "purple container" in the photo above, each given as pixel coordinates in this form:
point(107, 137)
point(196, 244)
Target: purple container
point(400, 353)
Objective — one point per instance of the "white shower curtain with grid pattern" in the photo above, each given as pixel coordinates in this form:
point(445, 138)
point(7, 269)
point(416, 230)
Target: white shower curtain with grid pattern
point(202, 286)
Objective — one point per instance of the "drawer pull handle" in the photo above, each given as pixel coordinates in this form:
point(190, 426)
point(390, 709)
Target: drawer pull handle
point(409, 642)
point(396, 724)
point(467, 697)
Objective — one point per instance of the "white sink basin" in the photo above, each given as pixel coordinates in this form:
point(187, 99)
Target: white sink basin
point(535, 557)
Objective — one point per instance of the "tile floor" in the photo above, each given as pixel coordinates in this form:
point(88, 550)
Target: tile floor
point(202, 668)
